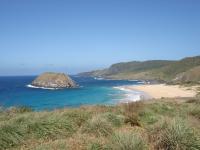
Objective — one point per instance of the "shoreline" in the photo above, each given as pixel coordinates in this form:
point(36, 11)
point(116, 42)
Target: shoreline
point(132, 95)
point(157, 91)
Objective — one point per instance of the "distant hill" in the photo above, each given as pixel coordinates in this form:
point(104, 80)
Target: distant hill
point(192, 75)
point(184, 70)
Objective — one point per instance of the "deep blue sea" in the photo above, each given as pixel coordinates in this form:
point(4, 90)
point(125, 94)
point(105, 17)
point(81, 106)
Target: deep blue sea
point(14, 92)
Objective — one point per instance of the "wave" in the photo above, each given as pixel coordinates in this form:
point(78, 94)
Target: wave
point(141, 82)
point(134, 80)
point(36, 87)
point(130, 95)
point(98, 78)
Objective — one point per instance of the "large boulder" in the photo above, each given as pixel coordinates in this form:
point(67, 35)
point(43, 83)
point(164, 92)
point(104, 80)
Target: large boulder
point(54, 80)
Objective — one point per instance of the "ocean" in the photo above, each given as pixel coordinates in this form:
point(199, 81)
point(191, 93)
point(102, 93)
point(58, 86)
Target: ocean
point(92, 91)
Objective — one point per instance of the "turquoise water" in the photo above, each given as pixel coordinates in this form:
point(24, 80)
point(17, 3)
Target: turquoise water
point(14, 92)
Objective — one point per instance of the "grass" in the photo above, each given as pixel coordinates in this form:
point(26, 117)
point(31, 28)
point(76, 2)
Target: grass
point(130, 126)
point(98, 126)
point(131, 113)
point(196, 111)
point(127, 141)
point(175, 135)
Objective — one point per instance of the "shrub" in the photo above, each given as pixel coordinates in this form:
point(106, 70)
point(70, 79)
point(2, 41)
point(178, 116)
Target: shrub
point(98, 126)
point(127, 141)
point(176, 135)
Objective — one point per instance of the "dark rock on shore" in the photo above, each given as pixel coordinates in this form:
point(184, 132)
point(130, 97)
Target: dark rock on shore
point(54, 80)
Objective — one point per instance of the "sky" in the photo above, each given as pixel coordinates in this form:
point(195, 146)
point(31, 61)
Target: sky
point(73, 36)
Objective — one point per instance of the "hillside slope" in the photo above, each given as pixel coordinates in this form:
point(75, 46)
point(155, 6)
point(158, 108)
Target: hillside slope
point(191, 75)
point(151, 70)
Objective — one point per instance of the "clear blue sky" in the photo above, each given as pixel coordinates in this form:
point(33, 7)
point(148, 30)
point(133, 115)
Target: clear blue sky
point(80, 35)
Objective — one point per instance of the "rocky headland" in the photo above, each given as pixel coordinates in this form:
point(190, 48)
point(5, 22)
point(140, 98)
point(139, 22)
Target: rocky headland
point(54, 80)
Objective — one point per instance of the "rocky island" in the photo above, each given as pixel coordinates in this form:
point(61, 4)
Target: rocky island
point(53, 80)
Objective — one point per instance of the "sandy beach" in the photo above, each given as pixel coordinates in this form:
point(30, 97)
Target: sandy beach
point(163, 90)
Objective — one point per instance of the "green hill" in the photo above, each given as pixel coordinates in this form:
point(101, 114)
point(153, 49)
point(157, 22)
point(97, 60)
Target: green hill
point(191, 75)
point(151, 70)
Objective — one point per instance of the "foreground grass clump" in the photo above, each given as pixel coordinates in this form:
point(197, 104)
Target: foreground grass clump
point(98, 126)
point(128, 141)
point(131, 113)
point(10, 135)
point(131, 126)
point(196, 111)
point(175, 135)
point(50, 128)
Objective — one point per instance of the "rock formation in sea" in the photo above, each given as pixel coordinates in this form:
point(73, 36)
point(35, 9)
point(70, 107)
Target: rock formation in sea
point(54, 80)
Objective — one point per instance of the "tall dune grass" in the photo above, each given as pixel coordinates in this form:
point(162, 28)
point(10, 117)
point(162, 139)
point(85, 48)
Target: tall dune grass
point(103, 127)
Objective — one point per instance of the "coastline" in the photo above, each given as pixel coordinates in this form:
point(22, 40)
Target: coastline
point(132, 95)
point(157, 91)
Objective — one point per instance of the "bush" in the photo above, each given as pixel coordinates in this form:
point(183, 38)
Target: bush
point(127, 141)
point(98, 126)
point(176, 135)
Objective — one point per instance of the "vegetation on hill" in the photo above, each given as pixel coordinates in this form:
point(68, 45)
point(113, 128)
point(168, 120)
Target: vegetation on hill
point(161, 124)
point(153, 70)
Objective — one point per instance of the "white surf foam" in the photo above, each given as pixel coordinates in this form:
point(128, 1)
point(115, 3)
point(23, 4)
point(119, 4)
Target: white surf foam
point(98, 78)
point(133, 80)
point(36, 87)
point(130, 95)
